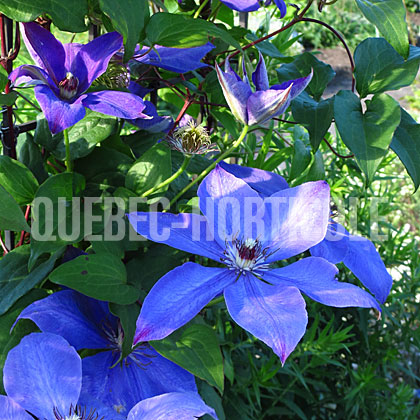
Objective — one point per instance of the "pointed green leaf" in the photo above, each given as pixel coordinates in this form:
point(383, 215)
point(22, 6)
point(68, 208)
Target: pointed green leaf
point(11, 216)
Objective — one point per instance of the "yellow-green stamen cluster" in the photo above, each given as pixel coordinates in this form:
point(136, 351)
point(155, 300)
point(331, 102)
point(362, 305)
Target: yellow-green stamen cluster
point(116, 76)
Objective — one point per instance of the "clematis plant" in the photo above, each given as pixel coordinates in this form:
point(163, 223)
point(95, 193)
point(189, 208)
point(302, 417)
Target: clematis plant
point(87, 323)
point(43, 376)
point(247, 234)
point(266, 102)
point(65, 73)
point(252, 5)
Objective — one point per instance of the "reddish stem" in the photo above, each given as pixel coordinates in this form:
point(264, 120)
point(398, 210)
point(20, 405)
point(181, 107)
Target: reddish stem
point(5, 250)
point(22, 234)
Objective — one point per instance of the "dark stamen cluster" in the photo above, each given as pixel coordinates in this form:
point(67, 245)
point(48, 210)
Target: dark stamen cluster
point(68, 86)
point(76, 411)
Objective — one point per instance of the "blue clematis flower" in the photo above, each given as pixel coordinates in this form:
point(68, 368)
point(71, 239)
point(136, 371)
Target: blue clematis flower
point(263, 104)
point(43, 376)
point(87, 324)
point(252, 5)
point(247, 234)
point(178, 60)
point(64, 74)
point(357, 253)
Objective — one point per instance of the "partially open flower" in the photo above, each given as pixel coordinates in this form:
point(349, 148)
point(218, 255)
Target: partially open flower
point(191, 139)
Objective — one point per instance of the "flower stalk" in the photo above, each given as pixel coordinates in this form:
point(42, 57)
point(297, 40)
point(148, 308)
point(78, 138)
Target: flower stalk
point(68, 157)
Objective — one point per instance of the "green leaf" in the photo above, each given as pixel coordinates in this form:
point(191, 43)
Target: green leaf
point(101, 277)
point(301, 67)
point(389, 17)
point(301, 159)
point(30, 155)
point(8, 99)
point(83, 136)
point(406, 144)
point(315, 116)
point(11, 216)
point(4, 78)
point(17, 180)
point(15, 280)
point(10, 339)
point(369, 134)
point(67, 15)
point(316, 171)
point(378, 67)
point(150, 169)
point(128, 18)
point(181, 31)
point(196, 349)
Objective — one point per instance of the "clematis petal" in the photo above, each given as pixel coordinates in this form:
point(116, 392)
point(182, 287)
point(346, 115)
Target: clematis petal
point(28, 75)
point(186, 231)
point(236, 94)
point(59, 114)
point(264, 182)
point(177, 298)
point(115, 103)
point(71, 50)
point(366, 264)
point(98, 409)
point(171, 406)
point(296, 219)
point(298, 85)
point(82, 321)
point(47, 51)
point(43, 372)
point(335, 245)
point(275, 315)
point(230, 206)
point(282, 6)
point(92, 59)
point(265, 104)
point(242, 5)
point(11, 411)
point(260, 76)
point(316, 278)
point(178, 60)
point(143, 374)
point(156, 124)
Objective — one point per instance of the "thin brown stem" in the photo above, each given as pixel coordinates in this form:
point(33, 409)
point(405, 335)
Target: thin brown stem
point(5, 250)
point(336, 153)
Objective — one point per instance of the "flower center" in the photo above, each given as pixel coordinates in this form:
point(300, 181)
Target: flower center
point(76, 412)
point(245, 255)
point(68, 89)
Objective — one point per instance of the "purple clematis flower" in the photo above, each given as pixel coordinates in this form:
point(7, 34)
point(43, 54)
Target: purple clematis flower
point(43, 375)
point(252, 5)
point(267, 102)
point(178, 60)
point(247, 234)
point(87, 324)
point(64, 74)
point(357, 253)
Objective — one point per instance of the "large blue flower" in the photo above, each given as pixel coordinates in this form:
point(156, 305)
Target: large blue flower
point(266, 102)
point(357, 253)
point(65, 73)
point(247, 234)
point(43, 376)
point(87, 324)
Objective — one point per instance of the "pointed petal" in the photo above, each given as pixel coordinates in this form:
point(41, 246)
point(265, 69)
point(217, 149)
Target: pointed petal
point(229, 70)
point(178, 60)
point(316, 278)
point(366, 264)
point(236, 94)
point(260, 76)
point(275, 315)
point(47, 51)
point(297, 219)
point(115, 103)
point(282, 6)
point(138, 90)
point(71, 50)
point(156, 124)
point(28, 75)
point(172, 406)
point(186, 231)
point(263, 105)
point(81, 320)
point(11, 411)
point(264, 182)
point(242, 5)
point(43, 372)
point(335, 245)
point(177, 298)
point(298, 85)
point(93, 58)
point(141, 375)
point(59, 114)
point(229, 205)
